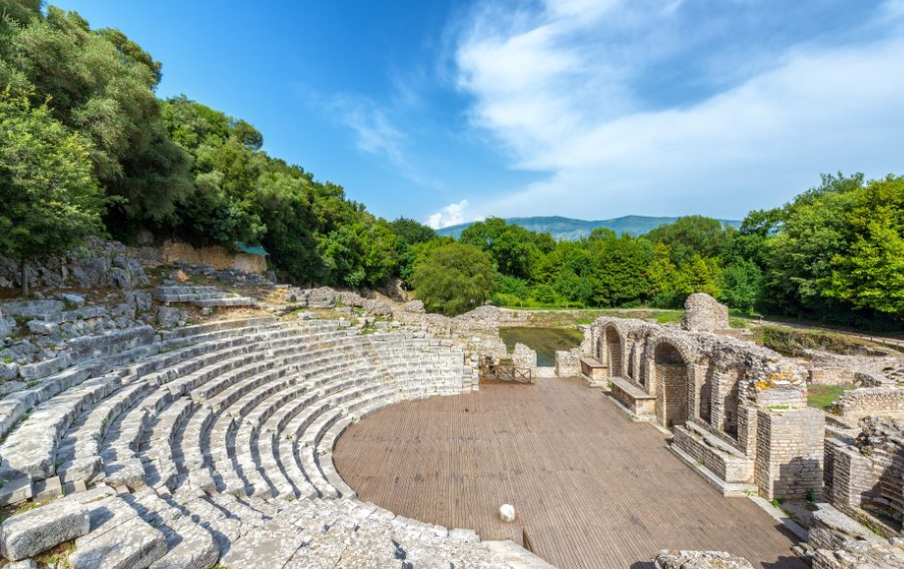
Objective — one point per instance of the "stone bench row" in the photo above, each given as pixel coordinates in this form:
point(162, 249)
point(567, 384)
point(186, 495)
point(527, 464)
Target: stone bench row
point(188, 530)
point(261, 427)
point(32, 447)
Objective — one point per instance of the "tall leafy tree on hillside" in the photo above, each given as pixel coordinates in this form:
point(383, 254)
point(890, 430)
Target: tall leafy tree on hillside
point(101, 84)
point(21, 11)
point(410, 234)
point(454, 278)
point(693, 235)
point(50, 200)
point(801, 255)
point(514, 249)
point(869, 272)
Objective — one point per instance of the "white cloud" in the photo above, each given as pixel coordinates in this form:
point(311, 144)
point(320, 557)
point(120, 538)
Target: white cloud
point(375, 132)
point(452, 214)
point(557, 87)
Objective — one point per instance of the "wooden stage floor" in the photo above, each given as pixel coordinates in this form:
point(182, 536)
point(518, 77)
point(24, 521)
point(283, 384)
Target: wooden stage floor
point(592, 489)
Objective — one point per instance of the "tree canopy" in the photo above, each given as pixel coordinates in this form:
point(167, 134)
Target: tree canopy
point(50, 199)
point(454, 278)
point(86, 146)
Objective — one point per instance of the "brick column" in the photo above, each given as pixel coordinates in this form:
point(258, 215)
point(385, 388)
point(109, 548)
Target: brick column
point(790, 451)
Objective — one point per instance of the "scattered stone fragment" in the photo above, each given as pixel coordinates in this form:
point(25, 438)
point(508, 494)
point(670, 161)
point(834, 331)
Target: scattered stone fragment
point(699, 560)
point(42, 328)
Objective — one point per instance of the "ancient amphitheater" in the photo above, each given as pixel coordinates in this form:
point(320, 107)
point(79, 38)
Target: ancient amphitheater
point(213, 446)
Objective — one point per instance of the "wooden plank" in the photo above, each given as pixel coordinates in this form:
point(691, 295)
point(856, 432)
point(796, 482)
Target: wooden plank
point(592, 489)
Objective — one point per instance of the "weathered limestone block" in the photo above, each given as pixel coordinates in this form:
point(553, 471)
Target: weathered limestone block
point(860, 555)
point(42, 328)
point(416, 306)
point(870, 401)
point(703, 313)
point(30, 533)
point(27, 564)
point(119, 540)
point(568, 363)
point(6, 326)
point(524, 357)
point(699, 560)
point(170, 316)
point(831, 529)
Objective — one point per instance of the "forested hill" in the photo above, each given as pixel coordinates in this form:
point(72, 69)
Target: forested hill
point(565, 228)
point(87, 147)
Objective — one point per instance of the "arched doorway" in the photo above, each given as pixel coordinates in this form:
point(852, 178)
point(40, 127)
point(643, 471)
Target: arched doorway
point(614, 352)
point(673, 381)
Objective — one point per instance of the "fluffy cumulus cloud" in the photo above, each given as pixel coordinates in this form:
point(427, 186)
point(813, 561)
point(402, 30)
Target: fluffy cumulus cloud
point(645, 106)
point(452, 214)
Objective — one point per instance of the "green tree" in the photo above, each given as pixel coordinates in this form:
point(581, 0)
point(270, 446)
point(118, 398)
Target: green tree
point(869, 273)
point(699, 275)
point(514, 249)
point(360, 254)
point(454, 278)
point(21, 11)
point(693, 235)
point(741, 285)
point(50, 199)
point(411, 232)
point(101, 85)
point(621, 267)
point(662, 275)
point(801, 256)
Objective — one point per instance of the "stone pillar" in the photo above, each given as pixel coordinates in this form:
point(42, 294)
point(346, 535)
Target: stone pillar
point(790, 452)
point(567, 363)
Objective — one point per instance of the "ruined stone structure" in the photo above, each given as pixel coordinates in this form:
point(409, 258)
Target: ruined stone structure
point(212, 445)
point(738, 411)
point(865, 472)
point(703, 313)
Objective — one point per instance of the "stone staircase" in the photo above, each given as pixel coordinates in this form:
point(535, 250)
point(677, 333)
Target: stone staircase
point(216, 449)
point(207, 297)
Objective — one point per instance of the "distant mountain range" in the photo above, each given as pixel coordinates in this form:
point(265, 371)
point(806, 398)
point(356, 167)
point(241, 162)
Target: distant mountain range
point(572, 229)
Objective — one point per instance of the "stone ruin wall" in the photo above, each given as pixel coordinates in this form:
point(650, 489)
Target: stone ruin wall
point(737, 393)
point(866, 473)
point(837, 369)
point(869, 401)
point(703, 313)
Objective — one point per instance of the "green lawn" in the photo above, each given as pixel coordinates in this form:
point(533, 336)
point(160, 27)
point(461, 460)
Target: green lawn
point(823, 396)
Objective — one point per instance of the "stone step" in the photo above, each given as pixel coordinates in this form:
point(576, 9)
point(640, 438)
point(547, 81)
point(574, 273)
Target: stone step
point(189, 545)
point(118, 539)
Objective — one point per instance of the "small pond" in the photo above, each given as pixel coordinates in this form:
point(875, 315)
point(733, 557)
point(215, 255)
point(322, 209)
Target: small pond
point(545, 341)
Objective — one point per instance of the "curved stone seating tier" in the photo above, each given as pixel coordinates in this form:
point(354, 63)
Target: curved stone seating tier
point(216, 448)
point(201, 296)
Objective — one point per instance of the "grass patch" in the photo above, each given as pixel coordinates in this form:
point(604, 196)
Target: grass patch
point(793, 341)
point(669, 316)
point(824, 396)
point(11, 510)
point(58, 557)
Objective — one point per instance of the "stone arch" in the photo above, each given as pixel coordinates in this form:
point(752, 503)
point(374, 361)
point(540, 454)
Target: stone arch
point(674, 383)
point(614, 347)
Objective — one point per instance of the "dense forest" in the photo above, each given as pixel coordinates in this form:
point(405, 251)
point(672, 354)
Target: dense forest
point(87, 147)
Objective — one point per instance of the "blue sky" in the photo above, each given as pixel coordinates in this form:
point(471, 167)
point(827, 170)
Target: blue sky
point(451, 111)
